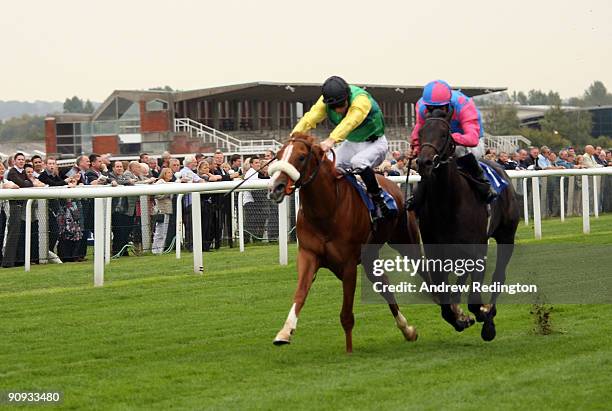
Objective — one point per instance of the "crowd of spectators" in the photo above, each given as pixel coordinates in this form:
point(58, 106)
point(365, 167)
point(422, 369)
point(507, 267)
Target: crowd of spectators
point(397, 165)
point(544, 158)
point(70, 221)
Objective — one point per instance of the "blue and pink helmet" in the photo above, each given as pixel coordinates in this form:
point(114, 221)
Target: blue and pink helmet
point(437, 93)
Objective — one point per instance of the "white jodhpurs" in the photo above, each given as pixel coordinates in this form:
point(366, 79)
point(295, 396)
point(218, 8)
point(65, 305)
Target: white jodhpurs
point(478, 151)
point(352, 155)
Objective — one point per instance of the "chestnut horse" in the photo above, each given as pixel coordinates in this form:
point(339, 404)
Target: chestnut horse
point(333, 224)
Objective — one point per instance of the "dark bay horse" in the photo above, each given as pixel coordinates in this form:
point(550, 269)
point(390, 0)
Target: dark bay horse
point(451, 214)
point(332, 225)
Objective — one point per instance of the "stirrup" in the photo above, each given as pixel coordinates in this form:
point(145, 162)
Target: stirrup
point(491, 195)
point(410, 203)
point(381, 207)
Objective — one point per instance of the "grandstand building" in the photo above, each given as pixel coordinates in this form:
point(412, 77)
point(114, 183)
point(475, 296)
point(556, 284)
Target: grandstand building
point(241, 118)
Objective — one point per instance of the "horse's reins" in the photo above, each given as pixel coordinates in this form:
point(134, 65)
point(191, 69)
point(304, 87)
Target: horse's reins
point(449, 143)
point(297, 183)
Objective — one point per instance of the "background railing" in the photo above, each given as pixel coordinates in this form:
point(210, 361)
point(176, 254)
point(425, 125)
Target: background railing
point(221, 140)
point(585, 191)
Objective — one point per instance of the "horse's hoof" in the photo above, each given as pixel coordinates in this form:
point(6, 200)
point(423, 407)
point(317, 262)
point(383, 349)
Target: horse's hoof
point(460, 326)
point(488, 332)
point(454, 315)
point(410, 333)
point(479, 311)
point(283, 337)
point(464, 323)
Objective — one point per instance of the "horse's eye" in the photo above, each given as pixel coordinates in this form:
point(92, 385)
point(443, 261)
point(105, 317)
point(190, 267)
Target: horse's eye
point(301, 157)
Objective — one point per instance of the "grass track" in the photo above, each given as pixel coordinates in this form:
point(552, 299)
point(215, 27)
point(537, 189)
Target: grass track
point(156, 337)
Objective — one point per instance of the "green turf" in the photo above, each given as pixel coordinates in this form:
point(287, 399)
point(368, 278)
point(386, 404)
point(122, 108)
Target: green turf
point(158, 337)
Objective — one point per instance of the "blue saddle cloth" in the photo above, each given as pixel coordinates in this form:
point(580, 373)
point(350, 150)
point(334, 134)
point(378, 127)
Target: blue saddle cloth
point(497, 182)
point(389, 200)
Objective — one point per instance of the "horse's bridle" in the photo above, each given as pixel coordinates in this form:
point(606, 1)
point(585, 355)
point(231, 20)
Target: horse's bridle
point(445, 154)
point(298, 183)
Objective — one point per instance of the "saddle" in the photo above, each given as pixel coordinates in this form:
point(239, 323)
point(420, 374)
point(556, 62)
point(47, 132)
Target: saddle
point(489, 173)
point(498, 183)
point(365, 197)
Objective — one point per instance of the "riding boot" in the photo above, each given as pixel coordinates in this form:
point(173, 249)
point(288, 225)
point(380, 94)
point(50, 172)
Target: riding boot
point(369, 178)
point(483, 187)
point(415, 201)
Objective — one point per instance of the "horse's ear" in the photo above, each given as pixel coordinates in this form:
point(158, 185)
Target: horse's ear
point(449, 114)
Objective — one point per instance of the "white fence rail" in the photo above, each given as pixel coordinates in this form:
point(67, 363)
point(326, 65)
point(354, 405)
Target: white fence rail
point(103, 195)
point(508, 144)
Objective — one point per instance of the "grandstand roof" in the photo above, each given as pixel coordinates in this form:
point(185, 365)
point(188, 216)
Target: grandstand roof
point(263, 90)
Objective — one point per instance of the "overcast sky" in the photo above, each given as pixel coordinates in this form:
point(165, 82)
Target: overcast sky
point(55, 49)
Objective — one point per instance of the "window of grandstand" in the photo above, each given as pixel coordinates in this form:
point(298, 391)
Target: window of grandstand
point(265, 115)
point(246, 119)
point(73, 137)
point(227, 115)
point(285, 115)
point(157, 105)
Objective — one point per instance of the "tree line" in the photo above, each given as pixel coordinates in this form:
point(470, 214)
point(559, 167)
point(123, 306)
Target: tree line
point(595, 95)
point(31, 127)
point(28, 127)
point(560, 127)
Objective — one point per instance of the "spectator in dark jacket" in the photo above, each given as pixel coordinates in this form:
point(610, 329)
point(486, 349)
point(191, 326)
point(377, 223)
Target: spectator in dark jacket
point(504, 161)
point(523, 159)
point(222, 204)
point(4, 206)
point(532, 159)
point(13, 254)
point(123, 210)
point(50, 177)
point(235, 162)
point(38, 164)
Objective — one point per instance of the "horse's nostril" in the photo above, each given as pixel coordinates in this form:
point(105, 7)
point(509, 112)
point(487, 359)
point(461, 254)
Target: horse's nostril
point(279, 188)
point(428, 162)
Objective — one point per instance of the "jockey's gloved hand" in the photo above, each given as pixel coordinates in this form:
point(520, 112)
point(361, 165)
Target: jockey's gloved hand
point(327, 144)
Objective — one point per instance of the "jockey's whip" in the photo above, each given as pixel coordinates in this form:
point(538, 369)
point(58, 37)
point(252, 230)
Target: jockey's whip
point(407, 188)
point(245, 180)
point(220, 205)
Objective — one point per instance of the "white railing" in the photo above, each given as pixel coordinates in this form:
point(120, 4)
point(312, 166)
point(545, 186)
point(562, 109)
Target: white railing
point(223, 140)
point(508, 144)
point(102, 195)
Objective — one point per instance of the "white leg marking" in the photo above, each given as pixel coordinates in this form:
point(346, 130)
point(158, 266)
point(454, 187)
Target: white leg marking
point(284, 335)
point(292, 318)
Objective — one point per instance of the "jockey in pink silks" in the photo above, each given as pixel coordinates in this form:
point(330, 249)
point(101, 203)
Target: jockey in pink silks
point(465, 128)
